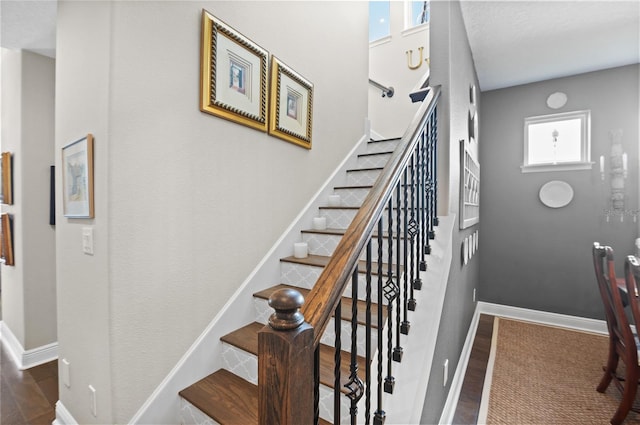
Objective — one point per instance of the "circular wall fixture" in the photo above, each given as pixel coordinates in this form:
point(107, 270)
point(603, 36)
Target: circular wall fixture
point(556, 100)
point(556, 194)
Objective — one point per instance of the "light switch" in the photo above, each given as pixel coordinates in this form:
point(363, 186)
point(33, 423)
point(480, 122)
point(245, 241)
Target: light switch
point(87, 240)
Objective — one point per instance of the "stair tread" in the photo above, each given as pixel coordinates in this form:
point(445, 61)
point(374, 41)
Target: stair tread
point(390, 139)
point(345, 306)
point(375, 153)
point(246, 338)
point(341, 232)
point(225, 397)
point(352, 187)
point(322, 261)
point(365, 169)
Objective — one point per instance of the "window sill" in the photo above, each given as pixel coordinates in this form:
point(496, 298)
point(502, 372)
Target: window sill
point(565, 166)
point(379, 41)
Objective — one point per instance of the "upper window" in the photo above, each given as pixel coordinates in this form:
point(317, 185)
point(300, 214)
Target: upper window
point(420, 11)
point(557, 142)
point(379, 16)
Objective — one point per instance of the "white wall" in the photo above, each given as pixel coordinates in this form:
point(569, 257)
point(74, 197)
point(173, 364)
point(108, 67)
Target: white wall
point(186, 203)
point(388, 66)
point(28, 288)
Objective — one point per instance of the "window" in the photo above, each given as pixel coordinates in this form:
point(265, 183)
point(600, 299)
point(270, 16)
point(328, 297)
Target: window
point(557, 142)
point(379, 16)
point(420, 11)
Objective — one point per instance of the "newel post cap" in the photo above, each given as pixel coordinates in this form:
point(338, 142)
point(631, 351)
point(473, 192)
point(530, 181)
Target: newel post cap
point(286, 302)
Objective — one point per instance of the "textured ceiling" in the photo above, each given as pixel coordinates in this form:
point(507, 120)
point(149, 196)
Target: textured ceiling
point(517, 42)
point(513, 41)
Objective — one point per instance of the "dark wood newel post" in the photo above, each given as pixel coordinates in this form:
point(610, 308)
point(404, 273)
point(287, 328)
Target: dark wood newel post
point(286, 363)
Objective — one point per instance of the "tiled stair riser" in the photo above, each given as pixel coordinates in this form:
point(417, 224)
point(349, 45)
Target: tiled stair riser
point(325, 244)
point(378, 160)
point(341, 218)
point(385, 146)
point(362, 177)
point(352, 197)
point(306, 276)
point(191, 415)
point(263, 311)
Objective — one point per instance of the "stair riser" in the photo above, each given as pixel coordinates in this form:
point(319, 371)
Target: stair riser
point(324, 244)
point(386, 146)
point(191, 415)
point(362, 177)
point(352, 197)
point(341, 218)
point(263, 311)
point(379, 160)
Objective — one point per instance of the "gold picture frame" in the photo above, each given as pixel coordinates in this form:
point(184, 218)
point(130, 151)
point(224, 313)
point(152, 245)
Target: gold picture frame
point(6, 189)
point(233, 75)
point(291, 105)
point(6, 239)
point(77, 178)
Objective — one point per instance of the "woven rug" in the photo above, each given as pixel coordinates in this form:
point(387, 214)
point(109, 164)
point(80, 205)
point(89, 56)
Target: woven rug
point(547, 375)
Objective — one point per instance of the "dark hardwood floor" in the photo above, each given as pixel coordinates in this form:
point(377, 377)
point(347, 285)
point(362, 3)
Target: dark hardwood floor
point(471, 392)
point(27, 396)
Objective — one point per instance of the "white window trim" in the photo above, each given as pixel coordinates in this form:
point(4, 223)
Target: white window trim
point(585, 143)
point(408, 19)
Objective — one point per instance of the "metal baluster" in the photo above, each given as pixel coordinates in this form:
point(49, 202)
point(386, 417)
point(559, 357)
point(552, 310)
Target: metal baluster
point(390, 293)
point(417, 283)
point(397, 351)
point(354, 385)
point(429, 187)
point(316, 387)
point(337, 363)
point(379, 415)
point(435, 166)
point(424, 239)
point(412, 229)
point(367, 400)
point(404, 327)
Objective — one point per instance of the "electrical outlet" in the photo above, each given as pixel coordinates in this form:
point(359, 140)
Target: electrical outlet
point(65, 373)
point(446, 372)
point(93, 402)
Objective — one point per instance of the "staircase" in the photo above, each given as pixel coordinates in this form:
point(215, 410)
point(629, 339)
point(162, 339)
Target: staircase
point(360, 284)
point(230, 395)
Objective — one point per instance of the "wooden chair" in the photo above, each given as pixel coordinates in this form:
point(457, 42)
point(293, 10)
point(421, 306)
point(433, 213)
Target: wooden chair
point(623, 343)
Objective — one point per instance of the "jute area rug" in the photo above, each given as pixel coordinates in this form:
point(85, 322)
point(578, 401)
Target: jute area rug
point(547, 375)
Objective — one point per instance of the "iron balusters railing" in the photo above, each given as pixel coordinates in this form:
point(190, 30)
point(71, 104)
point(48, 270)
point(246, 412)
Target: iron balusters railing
point(398, 215)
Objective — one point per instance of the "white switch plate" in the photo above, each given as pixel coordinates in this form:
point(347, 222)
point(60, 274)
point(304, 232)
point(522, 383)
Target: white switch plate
point(87, 240)
point(93, 401)
point(65, 373)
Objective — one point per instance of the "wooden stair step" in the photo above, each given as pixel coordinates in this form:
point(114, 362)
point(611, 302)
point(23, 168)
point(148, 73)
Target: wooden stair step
point(227, 398)
point(341, 232)
point(323, 260)
point(246, 338)
point(345, 312)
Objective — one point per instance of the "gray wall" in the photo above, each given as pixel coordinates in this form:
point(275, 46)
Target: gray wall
point(537, 257)
point(452, 67)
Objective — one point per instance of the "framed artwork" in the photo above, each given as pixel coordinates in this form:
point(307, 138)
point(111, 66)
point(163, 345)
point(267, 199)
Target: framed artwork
point(291, 105)
point(6, 173)
point(77, 178)
point(233, 75)
point(6, 239)
point(469, 188)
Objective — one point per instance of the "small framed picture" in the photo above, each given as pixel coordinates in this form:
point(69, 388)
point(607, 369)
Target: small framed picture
point(233, 75)
point(6, 239)
point(291, 105)
point(77, 178)
point(6, 173)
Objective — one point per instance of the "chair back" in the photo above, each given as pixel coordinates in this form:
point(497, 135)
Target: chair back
point(617, 321)
point(631, 277)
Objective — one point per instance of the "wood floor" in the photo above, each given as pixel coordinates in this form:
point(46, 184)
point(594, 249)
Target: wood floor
point(27, 396)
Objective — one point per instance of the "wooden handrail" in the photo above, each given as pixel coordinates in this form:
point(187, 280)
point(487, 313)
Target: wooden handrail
point(326, 293)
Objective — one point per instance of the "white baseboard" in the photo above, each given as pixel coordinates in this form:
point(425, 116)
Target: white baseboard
point(582, 324)
point(545, 318)
point(458, 377)
point(63, 416)
point(26, 359)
